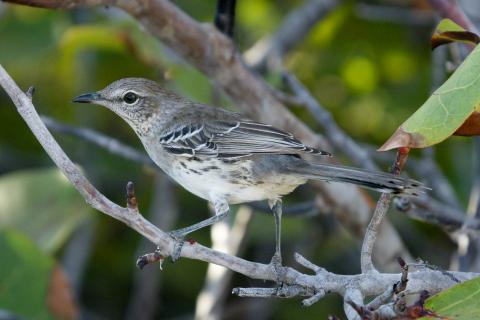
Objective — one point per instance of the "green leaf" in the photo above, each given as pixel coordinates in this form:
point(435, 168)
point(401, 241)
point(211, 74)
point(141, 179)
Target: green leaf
point(42, 204)
point(24, 276)
point(446, 25)
point(445, 111)
point(460, 302)
point(81, 37)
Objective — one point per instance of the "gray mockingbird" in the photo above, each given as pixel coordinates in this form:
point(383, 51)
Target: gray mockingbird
point(224, 157)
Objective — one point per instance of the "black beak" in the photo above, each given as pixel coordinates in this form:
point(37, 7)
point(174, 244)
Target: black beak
point(87, 98)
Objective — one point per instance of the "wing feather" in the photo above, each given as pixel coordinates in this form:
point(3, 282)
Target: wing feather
point(227, 139)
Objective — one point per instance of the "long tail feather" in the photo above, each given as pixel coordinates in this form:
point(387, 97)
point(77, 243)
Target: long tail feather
point(378, 181)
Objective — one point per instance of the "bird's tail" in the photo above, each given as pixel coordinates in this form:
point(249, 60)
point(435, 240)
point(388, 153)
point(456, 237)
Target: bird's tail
point(375, 180)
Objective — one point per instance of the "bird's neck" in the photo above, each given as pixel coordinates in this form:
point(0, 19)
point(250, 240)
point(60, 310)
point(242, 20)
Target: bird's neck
point(145, 125)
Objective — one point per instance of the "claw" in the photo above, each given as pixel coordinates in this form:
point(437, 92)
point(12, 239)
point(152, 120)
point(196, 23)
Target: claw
point(142, 261)
point(177, 249)
point(276, 263)
point(148, 258)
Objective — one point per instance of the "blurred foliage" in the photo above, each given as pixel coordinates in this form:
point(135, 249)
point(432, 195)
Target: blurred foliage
point(24, 276)
point(49, 215)
point(370, 74)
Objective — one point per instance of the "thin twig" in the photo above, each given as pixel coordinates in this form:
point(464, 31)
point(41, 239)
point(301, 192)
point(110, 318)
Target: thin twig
point(108, 143)
point(402, 285)
point(308, 264)
point(434, 212)
point(292, 31)
point(473, 208)
point(143, 302)
point(393, 290)
point(427, 167)
point(394, 14)
point(353, 304)
point(469, 244)
point(383, 204)
point(313, 299)
point(132, 203)
point(225, 16)
point(342, 142)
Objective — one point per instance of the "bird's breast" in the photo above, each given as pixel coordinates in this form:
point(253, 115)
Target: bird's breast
point(233, 180)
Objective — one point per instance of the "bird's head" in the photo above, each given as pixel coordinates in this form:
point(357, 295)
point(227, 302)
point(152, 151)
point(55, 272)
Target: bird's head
point(136, 100)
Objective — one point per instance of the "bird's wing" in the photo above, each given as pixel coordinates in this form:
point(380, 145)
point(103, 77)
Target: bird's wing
point(227, 139)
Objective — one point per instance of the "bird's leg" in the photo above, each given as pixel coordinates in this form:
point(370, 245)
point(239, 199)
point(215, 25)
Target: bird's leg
point(277, 212)
point(221, 211)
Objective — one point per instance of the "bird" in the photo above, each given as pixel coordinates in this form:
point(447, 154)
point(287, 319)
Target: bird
point(225, 157)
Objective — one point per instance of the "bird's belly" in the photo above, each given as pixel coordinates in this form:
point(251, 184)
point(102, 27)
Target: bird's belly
point(235, 183)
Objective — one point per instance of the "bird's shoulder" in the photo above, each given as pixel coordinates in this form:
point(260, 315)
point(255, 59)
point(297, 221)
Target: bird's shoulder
point(197, 129)
point(193, 115)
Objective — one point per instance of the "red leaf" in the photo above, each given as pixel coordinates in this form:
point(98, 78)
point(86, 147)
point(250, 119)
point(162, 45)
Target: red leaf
point(60, 300)
point(402, 139)
point(442, 38)
point(471, 126)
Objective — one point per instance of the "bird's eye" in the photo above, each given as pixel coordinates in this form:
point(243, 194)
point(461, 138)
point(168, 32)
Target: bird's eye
point(130, 97)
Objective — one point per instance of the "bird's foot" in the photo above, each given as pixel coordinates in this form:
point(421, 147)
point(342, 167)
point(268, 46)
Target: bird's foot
point(276, 263)
point(149, 258)
point(179, 238)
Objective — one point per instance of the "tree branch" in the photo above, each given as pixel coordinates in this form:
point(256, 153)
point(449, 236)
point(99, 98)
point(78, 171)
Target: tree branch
point(366, 284)
point(225, 16)
point(292, 31)
point(108, 143)
point(146, 284)
point(394, 14)
point(450, 9)
point(366, 262)
point(339, 139)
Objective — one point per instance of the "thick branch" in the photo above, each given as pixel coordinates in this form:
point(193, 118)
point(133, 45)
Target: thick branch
point(208, 50)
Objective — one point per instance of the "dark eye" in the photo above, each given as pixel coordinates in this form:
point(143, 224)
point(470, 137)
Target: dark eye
point(130, 97)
